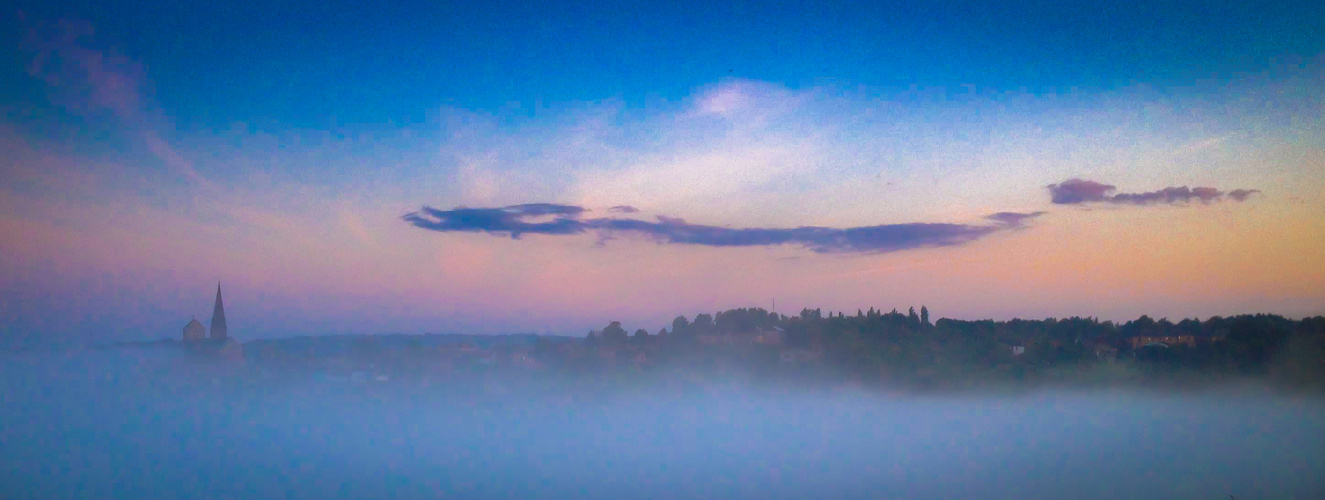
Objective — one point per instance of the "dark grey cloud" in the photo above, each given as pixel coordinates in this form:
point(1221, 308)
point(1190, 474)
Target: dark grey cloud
point(1013, 219)
point(1242, 194)
point(623, 209)
point(566, 219)
point(1079, 191)
point(1073, 191)
point(1169, 195)
point(514, 220)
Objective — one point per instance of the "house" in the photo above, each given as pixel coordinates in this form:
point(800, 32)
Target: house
point(485, 358)
point(770, 336)
point(1102, 350)
point(799, 356)
point(569, 349)
point(523, 359)
point(194, 331)
point(231, 351)
point(1017, 350)
point(1165, 341)
point(713, 340)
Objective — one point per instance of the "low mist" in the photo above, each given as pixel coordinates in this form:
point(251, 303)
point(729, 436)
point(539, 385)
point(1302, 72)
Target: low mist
point(157, 423)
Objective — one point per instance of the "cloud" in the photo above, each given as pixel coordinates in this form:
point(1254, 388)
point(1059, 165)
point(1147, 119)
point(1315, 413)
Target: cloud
point(82, 79)
point(743, 98)
point(768, 155)
point(1078, 191)
point(1242, 194)
point(88, 81)
point(623, 209)
point(1013, 219)
point(1074, 191)
point(512, 220)
point(517, 220)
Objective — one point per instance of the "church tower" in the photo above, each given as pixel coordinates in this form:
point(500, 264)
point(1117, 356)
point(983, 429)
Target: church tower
point(218, 317)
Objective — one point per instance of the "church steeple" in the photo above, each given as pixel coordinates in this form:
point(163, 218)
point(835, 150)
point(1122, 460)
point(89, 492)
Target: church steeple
point(218, 316)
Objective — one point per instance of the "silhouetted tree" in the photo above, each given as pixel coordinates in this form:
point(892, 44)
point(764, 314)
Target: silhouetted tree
point(680, 324)
point(614, 332)
point(743, 319)
point(1254, 340)
point(703, 322)
point(1143, 326)
point(874, 342)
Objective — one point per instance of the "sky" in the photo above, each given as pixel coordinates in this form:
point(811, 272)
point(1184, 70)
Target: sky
point(501, 168)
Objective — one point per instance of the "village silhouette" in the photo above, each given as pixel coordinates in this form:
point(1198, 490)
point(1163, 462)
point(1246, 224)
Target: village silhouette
point(870, 348)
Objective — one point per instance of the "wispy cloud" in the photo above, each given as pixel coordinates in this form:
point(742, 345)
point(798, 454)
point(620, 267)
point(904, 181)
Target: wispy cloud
point(556, 219)
point(1078, 191)
point(1242, 194)
point(1013, 219)
point(89, 81)
point(767, 155)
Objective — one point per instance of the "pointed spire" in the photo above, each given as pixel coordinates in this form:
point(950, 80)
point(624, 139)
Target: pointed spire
point(218, 316)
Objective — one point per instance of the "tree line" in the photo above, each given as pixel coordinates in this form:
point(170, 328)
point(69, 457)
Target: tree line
point(908, 346)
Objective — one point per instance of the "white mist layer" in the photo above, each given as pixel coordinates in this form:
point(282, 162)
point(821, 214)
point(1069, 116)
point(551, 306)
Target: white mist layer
point(106, 426)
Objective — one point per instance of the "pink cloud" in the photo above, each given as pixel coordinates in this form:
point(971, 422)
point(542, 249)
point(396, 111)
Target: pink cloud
point(88, 81)
point(82, 79)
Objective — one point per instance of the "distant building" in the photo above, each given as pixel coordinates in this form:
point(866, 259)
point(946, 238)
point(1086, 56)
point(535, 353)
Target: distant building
point(1102, 350)
point(523, 359)
point(1106, 353)
point(799, 356)
point(218, 346)
point(218, 317)
point(1018, 350)
point(231, 351)
point(771, 336)
point(1166, 341)
point(194, 331)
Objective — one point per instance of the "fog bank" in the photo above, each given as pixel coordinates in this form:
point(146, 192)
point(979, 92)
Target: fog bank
point(115, 425)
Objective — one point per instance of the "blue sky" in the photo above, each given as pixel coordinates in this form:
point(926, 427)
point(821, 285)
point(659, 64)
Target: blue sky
point(154, 148)
point(322, 64)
